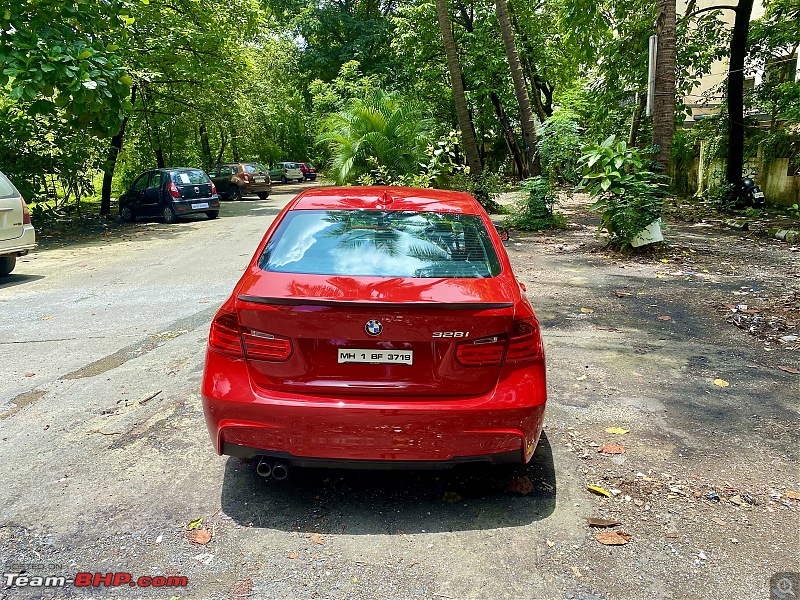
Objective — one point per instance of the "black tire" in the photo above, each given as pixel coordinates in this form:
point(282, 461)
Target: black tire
point(212, 214)
point(170, 216)
point(234, 193)
point(300, 180)
point(7, 264)
point(263, 195)
point(283, 179)
point(126, 214)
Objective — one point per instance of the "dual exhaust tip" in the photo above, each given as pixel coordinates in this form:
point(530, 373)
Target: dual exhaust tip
point(278, 470)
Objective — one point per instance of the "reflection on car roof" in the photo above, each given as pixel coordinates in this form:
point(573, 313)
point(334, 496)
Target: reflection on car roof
point(400, 198)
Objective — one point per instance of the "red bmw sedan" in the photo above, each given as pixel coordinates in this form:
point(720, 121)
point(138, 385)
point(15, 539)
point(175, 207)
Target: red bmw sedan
point(378, 328)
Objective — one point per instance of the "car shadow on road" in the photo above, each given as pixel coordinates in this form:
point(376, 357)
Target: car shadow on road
point(357, 502)
point(12, 280)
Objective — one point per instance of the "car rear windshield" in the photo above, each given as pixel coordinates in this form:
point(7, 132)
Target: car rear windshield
point(255, 168)
point(6, 189)
point(381, 243)
point(193, 177)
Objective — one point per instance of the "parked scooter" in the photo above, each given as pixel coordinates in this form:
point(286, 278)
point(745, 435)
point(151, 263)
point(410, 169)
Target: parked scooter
point(750, 194)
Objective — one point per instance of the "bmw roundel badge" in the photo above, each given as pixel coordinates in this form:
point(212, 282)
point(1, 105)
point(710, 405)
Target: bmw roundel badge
point(373, 327)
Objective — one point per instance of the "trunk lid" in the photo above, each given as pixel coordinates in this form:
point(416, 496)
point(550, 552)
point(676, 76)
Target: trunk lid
point(421, 322)
point(192, 184)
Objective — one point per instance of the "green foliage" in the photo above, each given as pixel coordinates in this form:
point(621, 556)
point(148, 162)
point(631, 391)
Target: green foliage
point(536, 210)
point(560, 146)
point(380, 130)
point(630, 196)
point(62, 58)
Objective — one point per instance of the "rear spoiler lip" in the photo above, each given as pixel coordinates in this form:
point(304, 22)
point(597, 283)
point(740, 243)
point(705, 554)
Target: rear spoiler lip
point(368, 304)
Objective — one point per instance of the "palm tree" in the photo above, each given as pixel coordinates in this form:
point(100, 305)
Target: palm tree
point(664, 99)
point(380, 130)
point(520, 87)
point(462, 112)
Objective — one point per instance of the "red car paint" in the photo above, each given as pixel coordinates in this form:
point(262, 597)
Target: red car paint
point(273, 385)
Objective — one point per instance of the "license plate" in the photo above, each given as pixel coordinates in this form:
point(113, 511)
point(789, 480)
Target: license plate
point(200, 205)
point(758, 194)
point(260, 179)
point(369, 355)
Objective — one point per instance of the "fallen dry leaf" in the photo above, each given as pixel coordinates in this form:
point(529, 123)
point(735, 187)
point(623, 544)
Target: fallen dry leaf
point(673, 535)
point(29, 374)
point(202, 536)
point(452, 497)
point(791, 370)
point(622, 293)
point(793, 495)
point(596, 489)
point(294, 555)
point(550, 543)
point(611, 449)
point(520, 485)
point(576, 571)
point(602, 522)
point(664, 318)
point(587, 311)
point(721, 382)
point(196, 524)
point(613, 538)
point(316, 538)
point(617, 430)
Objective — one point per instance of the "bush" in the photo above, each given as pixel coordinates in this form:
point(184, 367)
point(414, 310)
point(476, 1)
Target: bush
point(630, 196)
point(536, 211)
point(559, 146)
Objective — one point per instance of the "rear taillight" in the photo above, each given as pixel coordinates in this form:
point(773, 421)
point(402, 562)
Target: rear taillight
point(213, 188)
point(246, 178)
point(286, 170)
point(26, 214)
point(481, 353)
point(173, 190)
point(259, 345)
point(224, 336)
point(525, 343)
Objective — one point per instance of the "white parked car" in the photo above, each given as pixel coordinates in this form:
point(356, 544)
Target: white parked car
point(17, 235)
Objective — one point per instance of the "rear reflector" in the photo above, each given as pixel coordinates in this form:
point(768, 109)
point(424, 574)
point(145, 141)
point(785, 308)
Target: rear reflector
point(259, 345)
point(525, 343)
point(224, 335)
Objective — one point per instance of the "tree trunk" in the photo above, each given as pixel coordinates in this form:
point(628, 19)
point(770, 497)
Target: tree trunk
point(223, 142)
point(234, 148)
point(520, 89)
point(636, 119)
point(508, 132)
point(664, 100)
point(462, 112)
point(111, 161)
point(206, 146)
point(741, 27)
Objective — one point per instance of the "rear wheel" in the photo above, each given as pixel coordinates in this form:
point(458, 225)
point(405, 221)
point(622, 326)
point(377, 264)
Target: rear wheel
point(300, 180)
point(283, 179)
point(169, 215)
point(7, 264)
point(212, 214)
point(126, 214)
point(234, 193)
point(263, 195)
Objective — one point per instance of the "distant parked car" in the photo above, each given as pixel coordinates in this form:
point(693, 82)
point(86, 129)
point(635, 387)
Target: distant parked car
point(170, 193)
point(285, 172)
point(234, 180)
point(309, 171)
point(17, 235)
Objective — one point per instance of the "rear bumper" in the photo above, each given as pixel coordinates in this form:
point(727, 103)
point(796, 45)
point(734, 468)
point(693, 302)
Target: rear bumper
point(184, 207)
point(256, 188)
point(312, 430)
point(19, 245)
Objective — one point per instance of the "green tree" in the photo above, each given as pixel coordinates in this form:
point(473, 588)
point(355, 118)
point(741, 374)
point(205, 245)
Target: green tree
point(379, 131)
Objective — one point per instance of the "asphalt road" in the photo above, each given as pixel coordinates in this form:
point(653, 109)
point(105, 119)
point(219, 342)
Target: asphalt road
point(106, 459)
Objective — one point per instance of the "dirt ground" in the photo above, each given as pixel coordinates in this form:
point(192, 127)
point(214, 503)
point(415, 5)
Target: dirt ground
point(673, 382)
